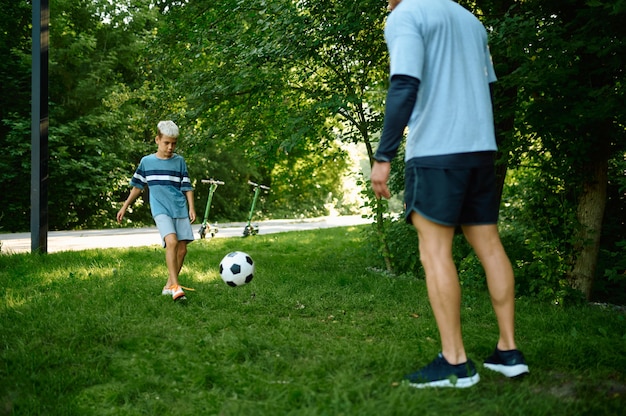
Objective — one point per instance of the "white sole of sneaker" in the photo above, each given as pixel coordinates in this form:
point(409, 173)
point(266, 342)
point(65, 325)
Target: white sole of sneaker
point(460, 383)
point(510, 371)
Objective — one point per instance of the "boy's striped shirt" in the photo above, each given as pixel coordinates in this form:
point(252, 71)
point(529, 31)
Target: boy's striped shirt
point(167, 180)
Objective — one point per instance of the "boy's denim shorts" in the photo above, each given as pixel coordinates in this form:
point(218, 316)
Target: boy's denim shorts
point(179, 226)
point(452, 196)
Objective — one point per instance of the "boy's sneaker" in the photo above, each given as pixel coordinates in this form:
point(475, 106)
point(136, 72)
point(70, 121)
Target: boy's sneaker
point(510, 363)
point(170, 290)
point(440, 373)
point(177, 292)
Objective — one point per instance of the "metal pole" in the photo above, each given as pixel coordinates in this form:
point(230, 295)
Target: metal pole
point(39, 129)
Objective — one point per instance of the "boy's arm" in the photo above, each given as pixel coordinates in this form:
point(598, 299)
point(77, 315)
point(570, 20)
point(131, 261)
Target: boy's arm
point(134, 194)
point(192, 209)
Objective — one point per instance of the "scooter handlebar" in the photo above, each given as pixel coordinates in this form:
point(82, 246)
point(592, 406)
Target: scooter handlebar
point(258, 185)
point(212, 181)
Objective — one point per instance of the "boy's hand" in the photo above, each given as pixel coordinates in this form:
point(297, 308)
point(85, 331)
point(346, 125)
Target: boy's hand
point(192, 215)
point(120, 215)
point(134, 193)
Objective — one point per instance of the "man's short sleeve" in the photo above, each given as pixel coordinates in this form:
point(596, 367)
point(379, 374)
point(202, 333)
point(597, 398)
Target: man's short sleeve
point(405, 45)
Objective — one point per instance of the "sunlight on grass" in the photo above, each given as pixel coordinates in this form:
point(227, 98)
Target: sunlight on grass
point(12, 300)
point(208, 276)
point(319, 331)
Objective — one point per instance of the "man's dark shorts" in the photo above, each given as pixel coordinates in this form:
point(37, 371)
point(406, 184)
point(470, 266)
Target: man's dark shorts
point(452, 190)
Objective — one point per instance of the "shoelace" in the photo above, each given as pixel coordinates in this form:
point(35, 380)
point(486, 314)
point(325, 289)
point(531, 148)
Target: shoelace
point(173, 287)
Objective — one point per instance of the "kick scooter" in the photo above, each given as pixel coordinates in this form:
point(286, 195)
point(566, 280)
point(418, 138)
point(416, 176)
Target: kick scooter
point(206, 228)
point(250, 230)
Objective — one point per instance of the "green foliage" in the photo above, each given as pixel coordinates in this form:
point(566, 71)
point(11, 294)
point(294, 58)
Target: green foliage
point(300, 186)
point(537, 229)
point(115, 77)
point(15, 85)
point(560, 82)
point(538, 226)
point(15, 67)
point(91, 135)
point(610, 282)
point(272, 80)
point(232, 200)
point(264, 91)
point(403, 245)
point(15, 171)
point(390, 236)
point(317, 332)
point(611, 286)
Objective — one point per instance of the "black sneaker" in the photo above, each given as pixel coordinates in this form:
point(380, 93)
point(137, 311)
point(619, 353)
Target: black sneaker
point(510, 363)
point(440, 373)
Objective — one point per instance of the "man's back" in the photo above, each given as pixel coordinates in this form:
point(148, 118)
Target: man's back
point(445, 47)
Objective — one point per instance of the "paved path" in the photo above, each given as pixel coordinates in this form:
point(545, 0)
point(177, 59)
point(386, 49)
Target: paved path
point(138, 237)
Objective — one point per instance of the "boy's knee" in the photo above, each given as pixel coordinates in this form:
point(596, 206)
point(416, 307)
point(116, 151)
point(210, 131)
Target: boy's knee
point(170, 241)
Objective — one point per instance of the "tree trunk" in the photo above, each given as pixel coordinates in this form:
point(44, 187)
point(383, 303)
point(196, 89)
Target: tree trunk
point(380, 223)
point(590, 212)
point(380, 230)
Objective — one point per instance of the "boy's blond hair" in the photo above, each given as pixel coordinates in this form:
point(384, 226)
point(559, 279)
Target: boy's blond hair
point(168, 128)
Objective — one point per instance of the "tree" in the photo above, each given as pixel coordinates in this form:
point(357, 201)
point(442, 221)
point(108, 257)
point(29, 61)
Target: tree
point(560, 122)
point(15, 86)
point(574, 89)
point(271, 80)
point(558, 110)
point(95, 48)
point(345, 52)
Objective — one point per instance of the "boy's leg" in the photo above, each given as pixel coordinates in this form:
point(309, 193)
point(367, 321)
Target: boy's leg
point(172, 258)
point(180, 254)
point(486, 243)
point(444, 290)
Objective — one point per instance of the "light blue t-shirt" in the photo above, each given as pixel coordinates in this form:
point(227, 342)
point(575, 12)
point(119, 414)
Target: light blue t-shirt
point(445, 47)
point(167, 180)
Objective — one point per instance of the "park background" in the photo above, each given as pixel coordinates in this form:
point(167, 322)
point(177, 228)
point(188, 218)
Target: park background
point(290, 94)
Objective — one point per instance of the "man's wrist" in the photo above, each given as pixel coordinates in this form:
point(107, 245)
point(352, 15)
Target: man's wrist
point(381, 159)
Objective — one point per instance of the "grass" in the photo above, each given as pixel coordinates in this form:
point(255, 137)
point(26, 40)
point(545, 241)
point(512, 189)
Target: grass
point(319, 331)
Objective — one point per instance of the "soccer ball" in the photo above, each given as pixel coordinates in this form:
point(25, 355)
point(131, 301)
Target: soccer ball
point(237, 268)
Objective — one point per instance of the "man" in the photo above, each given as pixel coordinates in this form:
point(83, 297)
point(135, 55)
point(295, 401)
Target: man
point(441, 70)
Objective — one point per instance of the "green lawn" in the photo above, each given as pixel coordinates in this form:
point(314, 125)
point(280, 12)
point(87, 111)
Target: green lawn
point(319, 331)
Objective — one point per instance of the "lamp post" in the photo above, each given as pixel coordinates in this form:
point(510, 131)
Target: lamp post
point(39, 129)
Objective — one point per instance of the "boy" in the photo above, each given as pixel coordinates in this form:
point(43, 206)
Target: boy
point(171, 201)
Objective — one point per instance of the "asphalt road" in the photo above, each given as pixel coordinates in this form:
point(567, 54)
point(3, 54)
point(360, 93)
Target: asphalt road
point(138, 237)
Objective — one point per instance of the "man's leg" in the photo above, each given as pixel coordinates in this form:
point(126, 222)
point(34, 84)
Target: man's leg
point(444, 290)
point(486, 243)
